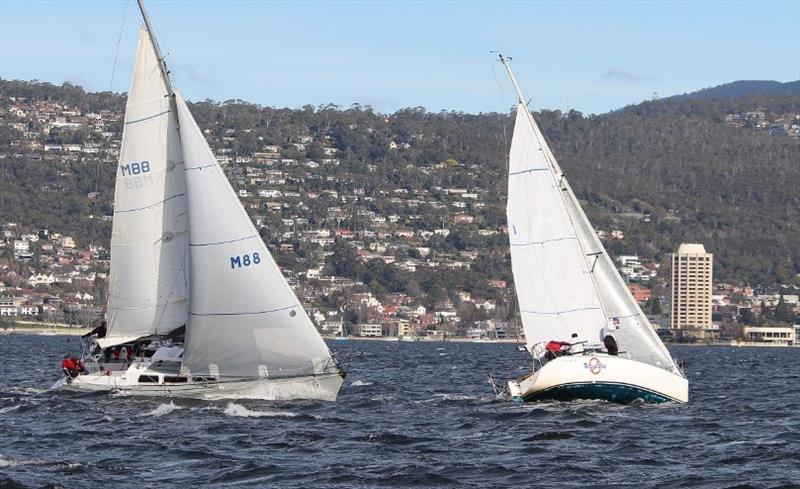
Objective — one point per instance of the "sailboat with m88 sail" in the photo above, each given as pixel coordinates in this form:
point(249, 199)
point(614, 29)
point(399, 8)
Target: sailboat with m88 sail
point(185, 252)
point(566, 284)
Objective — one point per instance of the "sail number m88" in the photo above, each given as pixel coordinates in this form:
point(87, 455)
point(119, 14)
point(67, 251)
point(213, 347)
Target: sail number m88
point(245, 260)
point(135, 168)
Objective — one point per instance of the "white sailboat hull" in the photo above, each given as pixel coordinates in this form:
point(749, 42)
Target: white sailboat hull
point(323, 387)
point(600, 376)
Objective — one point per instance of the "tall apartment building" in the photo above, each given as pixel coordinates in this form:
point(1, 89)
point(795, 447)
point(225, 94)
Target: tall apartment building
point(692, 274)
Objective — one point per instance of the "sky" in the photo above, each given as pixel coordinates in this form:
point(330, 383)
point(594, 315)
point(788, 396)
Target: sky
point(591, 56)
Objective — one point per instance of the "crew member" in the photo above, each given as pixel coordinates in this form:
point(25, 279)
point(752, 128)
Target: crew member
point(555, 349)
point(608, 336)
point(100, 331)
point(72, 366)
point(575, 346)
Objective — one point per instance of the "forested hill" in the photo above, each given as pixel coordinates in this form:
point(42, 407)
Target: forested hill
point(663, 172)
point(743, 88)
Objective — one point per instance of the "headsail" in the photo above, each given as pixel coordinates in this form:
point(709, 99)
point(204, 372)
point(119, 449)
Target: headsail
point(566, 282)
point(149, 241)
point(244, 319)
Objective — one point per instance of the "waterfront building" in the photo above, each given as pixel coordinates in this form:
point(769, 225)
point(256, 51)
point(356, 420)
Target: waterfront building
point(370, 330)
point(692, 275)
point(779, 336)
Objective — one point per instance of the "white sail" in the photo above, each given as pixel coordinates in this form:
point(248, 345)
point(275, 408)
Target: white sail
point(597, 271)
point(149, 241)
point(635, 334)
point(244, 319)
point(554, 289)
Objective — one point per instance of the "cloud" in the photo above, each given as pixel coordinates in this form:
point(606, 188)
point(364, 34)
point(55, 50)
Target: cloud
point(626, 76)
point(195, 76)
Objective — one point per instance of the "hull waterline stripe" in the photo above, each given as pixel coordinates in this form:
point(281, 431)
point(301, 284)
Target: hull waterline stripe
point(246, 313)
point(556, 390)
point(146, 118)
point(215, 243)
point(149, 206)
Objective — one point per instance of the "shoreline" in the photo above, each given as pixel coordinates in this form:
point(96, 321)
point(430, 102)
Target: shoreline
point(44, 330)
point(35, 329)
point(397, 339)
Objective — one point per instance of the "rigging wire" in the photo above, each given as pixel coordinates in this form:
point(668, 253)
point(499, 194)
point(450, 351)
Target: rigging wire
point(93, 231)
point(119, 41)
point(516, 313)
point(502, 98)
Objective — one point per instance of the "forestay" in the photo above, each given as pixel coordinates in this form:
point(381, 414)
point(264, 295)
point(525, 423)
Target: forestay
point(149, 252)
point(244, 319)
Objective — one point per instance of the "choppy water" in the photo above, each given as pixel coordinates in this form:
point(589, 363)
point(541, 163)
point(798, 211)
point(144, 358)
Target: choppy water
point(409, 415)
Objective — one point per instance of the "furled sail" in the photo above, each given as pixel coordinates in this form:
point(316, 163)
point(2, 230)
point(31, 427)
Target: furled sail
point(149, 241)
point(244, 319)
point(597, 271)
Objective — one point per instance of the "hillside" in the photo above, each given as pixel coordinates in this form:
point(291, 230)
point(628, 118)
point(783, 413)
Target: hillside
point(662, 172)
point(743, 88)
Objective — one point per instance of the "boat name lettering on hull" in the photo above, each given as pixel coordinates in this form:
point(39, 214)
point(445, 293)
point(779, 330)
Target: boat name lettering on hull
point(594, 365)
point(245, 260)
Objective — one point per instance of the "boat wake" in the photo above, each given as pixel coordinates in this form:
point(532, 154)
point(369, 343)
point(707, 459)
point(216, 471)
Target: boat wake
point(238, 410)
point(163, 409)
point(4, 462)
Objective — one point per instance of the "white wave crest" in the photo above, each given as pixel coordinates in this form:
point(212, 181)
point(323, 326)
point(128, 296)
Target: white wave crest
point(238, 410)
point(4, 462)
point(360, 383)
point(163, 409)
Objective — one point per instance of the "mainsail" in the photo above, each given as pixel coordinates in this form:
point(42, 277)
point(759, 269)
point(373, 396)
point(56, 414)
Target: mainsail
point(566, 282)
point(551, 273)
point(149, 241)
point(244, 319)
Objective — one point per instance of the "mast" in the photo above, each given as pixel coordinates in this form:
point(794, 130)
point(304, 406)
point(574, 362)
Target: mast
point(505, 61)
point(521, 100)
point(162, 64)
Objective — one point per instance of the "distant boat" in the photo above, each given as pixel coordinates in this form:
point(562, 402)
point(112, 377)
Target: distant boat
point(342, 336)
point(566, 283)
point(185, 252)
